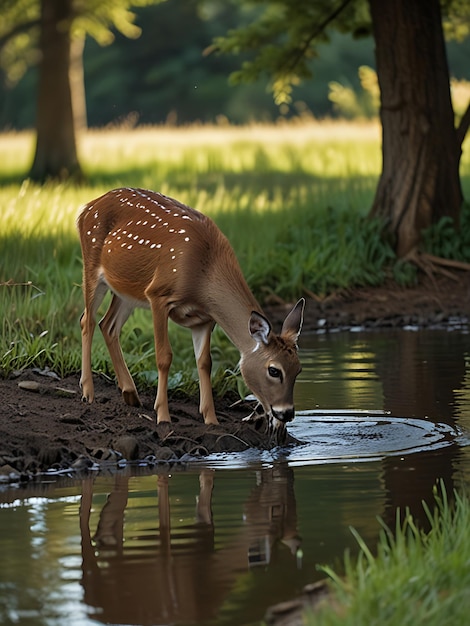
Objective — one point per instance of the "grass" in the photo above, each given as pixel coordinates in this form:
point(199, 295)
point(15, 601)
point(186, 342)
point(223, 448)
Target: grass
point(415, 577)
point(291, 198)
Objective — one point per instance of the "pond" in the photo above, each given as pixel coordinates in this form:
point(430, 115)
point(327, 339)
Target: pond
point(382, 415)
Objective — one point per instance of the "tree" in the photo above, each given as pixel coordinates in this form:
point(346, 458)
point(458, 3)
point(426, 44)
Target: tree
point(51, 32)
point(56, 150)
point(421, 147)
point(420, 180)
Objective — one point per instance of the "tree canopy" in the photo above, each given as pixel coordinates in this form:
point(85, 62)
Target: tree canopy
point(20, 24)
point(163, 74)
point(284, 36)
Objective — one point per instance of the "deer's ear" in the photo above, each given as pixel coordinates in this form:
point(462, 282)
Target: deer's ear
point(293, 322)
point(260, 328)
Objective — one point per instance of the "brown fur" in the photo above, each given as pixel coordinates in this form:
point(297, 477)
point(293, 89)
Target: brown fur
point(152, 251)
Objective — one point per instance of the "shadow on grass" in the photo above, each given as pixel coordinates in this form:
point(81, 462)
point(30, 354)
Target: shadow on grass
point(151, 177)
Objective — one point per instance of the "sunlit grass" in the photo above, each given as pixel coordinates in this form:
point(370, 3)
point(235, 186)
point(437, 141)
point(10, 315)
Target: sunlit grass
point(291, 198)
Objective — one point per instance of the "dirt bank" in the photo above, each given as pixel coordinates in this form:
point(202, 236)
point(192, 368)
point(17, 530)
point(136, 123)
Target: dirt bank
point(44, 425)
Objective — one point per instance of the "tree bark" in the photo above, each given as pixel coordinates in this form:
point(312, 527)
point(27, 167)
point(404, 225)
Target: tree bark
point(56, 151)
point(77, 84)
point(421, 153)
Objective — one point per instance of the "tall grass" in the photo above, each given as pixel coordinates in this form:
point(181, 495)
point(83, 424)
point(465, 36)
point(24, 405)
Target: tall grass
point(291, 198)
point(415, 577)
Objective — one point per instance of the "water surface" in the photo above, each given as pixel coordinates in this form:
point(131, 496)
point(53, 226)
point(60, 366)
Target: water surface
point(383, 415)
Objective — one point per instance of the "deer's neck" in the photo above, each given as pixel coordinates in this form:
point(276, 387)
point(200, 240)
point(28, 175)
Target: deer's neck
point(231, 306)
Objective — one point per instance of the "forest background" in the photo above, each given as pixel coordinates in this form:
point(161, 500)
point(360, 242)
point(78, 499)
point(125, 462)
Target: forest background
point(164, 76)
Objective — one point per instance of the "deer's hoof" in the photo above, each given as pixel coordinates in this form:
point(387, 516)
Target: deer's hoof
point(131, 398)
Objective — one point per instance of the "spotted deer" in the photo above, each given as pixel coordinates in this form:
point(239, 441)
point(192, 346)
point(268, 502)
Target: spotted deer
point(152, 251)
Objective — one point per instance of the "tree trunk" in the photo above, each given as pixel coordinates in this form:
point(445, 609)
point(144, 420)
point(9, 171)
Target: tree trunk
point(421, 153)
point(77, 84)
point(56, 151)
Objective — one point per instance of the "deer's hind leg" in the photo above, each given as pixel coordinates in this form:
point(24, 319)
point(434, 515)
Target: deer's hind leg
point(111, 325)
point(93, 297)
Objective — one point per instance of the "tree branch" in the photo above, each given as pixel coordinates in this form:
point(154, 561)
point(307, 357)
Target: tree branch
point(463, 127)
point(16, 30)
point(302, 50)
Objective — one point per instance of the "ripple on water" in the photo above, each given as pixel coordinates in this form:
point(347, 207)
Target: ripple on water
point(337, 436)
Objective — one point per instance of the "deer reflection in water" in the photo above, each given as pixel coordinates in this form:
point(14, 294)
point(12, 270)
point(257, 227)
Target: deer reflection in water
point(181, 576)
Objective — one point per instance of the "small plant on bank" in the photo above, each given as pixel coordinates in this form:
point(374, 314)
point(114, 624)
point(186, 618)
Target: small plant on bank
point(449, 240)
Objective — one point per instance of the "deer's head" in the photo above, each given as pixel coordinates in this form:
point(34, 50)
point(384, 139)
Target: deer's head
point(272, 366)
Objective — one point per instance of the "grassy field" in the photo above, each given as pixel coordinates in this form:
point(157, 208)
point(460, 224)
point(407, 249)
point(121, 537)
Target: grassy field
point(291, 199)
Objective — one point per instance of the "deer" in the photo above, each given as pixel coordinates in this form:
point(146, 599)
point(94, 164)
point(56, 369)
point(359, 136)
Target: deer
point(154, 252)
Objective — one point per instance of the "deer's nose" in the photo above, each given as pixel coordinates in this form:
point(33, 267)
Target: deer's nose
point(283, 415)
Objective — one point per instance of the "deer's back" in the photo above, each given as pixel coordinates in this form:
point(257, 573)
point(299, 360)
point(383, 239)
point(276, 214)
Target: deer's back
point(140, 239)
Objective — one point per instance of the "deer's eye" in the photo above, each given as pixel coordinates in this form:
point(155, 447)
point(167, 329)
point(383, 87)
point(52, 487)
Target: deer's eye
point(274, 372)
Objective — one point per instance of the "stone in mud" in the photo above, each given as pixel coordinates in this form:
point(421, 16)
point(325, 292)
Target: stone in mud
point(82, 464)
point(9, 474)
point(165, 454)
point(30, 385)
point(128, 446)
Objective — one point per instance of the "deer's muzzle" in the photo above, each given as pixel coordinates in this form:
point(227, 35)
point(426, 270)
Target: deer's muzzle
point(284, 415)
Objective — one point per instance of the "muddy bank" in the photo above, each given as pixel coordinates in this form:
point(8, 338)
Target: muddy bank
point(45, 426)
point(436, 302)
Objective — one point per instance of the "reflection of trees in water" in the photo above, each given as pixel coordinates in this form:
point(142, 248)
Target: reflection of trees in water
point(180, 576)
point(411, 374)
point(420, 372)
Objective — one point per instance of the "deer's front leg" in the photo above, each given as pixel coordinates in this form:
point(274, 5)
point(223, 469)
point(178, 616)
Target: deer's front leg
point(202, 350)
point(164, 356)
